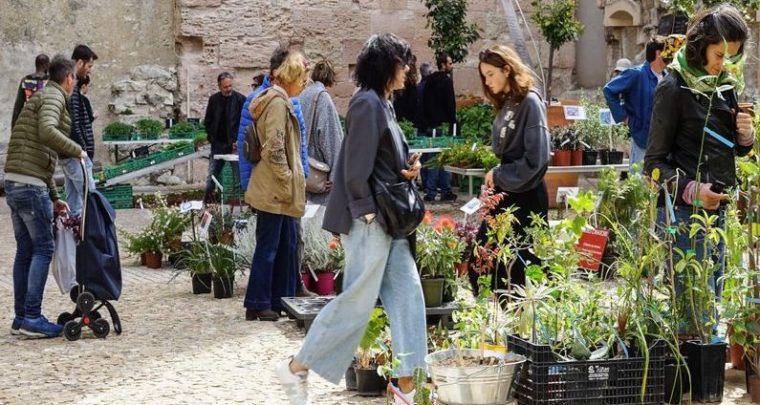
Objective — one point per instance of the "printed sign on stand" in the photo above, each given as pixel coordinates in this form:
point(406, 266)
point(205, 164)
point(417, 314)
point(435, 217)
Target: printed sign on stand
point(574, 112)
point(206, 220)
point(472, 206)
point(592, 244)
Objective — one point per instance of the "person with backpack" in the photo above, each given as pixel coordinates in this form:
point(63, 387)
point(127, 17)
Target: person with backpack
point(31, 84)
point(276, 190)
point(41, 134)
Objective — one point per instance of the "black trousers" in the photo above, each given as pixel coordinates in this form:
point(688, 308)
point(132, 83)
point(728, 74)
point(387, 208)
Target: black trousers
point(534, 201)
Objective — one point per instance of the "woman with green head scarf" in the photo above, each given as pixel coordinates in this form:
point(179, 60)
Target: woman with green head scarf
point(697, 128)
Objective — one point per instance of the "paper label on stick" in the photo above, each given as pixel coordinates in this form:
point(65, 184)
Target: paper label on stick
point(592, 244)
point(191, 206)
point(472, 206)
point(311, 210)
point(206, 220)
point(565, 193)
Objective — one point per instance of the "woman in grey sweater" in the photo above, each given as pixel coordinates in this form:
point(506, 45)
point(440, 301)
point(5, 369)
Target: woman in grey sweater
point(520, 138)
point(323, 129)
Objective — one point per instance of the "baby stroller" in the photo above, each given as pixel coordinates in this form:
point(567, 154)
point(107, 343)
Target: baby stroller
point(98, 270)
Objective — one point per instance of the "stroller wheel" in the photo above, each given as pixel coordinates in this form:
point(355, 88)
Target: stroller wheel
point(85, 302)
point(100, 328)
point(95, 315)
point(64, 317)
point(72, 330)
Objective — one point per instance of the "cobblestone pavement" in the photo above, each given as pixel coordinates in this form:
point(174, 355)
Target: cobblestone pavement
point(176, 348)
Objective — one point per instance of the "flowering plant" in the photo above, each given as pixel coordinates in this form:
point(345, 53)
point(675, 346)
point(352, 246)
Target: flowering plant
point(72, 223)
point(337, 255)
point(438, 246)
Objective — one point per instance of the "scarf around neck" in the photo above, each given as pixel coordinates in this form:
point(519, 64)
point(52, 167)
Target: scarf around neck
point(700, 82)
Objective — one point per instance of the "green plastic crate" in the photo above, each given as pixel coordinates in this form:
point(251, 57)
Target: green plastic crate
point(120, 196)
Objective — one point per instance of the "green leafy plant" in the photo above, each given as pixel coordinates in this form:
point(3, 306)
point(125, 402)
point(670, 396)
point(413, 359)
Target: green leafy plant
point(183, 127)
point(556, 20)
point(451, 33)
point(467, 156)
point(372, 343)
point(407, 127)
point(438, 247)
point(149, 128)
point(118, 130)
point(476, 121)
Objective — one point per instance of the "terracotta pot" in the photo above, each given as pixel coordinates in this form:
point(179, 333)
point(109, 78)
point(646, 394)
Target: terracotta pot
point(754, 388)
point(142, 259)
point(462, 268)
point(325, 284)
point(576, 158)
point(562, 158)
point(737, 356)
point(153, 260)
point(174, 245)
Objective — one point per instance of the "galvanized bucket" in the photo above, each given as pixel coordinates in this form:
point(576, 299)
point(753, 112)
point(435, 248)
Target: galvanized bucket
point(474, 385)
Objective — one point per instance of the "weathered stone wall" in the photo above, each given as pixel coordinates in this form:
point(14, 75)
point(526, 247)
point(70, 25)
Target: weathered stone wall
point(240, 35)
point(123, 34)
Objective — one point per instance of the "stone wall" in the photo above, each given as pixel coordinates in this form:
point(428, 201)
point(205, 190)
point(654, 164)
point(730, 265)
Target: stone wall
point(123, 34)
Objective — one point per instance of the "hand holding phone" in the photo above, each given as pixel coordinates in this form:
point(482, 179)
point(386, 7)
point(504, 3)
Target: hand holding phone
point(415, 157)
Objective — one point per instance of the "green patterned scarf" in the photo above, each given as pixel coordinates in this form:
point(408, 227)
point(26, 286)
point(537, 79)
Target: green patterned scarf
point(698, 81)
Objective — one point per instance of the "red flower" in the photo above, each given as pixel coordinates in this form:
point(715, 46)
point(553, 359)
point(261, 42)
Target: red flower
point(445, 222)
point(333, 244)
point(428, 218)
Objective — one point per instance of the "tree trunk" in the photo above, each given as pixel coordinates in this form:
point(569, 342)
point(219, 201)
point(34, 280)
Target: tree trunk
point(549, 79)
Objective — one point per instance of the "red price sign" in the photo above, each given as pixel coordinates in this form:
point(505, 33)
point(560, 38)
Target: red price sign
point(592, 244)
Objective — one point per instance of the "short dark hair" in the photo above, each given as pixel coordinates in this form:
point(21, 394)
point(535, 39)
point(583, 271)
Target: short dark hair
point(657, 43)
point(60, 68)
point(223, 76)
point(41, 61)
point(84, 81)
point(718, 24)
point(378, 60)
point(441, 59)
point(83, 52)
point(323, 72)
point(278, 56)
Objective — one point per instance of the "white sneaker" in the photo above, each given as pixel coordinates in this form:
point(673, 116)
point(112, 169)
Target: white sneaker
point(295, 384)
point(400, 398)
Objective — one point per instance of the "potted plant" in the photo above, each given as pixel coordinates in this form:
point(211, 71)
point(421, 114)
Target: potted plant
point(316, 252)
point(337, 263)
point(221, 260)
point(562, 138)
point(148, 128)
point(221, 229)
point(371, 352)
point(438, 250)
point(616, 134)
point(195, 259)
point(118, 131)
point(592, 134)
point(152, 243)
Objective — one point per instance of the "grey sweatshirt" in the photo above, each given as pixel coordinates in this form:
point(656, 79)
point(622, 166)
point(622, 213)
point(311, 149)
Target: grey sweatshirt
point(520, 138)
point(324, 131)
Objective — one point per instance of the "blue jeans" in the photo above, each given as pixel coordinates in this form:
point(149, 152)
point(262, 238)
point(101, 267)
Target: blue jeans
point(32, 219)
point(273, 272)
point(637, 156)
point(215, 167)
point(375, 264)
point(434, 179)
point(74, 182)
point(718, 254)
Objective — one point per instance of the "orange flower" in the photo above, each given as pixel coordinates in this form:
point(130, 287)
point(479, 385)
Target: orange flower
point(445, 222)
point(428, 218)
point(333, 244)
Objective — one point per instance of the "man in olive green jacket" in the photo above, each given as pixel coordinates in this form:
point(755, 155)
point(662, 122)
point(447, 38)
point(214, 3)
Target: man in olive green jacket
point(40, 134)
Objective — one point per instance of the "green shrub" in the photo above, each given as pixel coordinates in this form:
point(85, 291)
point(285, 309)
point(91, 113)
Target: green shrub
point(118, 130)
point(183, 127)
point(149, 127)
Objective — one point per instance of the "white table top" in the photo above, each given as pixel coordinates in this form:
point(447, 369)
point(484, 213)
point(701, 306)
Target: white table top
point(231, 157)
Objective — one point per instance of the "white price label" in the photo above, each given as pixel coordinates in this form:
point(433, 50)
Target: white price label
point(565, 193)
point(472, 206)
point(311, 210)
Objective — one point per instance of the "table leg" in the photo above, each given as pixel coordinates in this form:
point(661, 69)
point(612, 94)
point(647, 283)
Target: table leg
point(469, 179)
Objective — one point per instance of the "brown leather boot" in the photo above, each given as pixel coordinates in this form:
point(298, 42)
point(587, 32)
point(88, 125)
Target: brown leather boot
point(263, 315)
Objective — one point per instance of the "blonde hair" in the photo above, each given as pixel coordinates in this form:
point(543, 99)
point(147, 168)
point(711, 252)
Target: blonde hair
point(520, 77)
point(292, 68)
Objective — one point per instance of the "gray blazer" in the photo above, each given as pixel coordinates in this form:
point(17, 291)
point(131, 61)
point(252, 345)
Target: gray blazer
point(368, 150)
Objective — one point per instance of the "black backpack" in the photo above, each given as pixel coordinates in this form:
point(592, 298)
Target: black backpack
point(252, 143)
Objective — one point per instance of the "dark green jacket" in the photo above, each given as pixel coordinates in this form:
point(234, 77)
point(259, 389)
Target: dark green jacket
point(40, 134)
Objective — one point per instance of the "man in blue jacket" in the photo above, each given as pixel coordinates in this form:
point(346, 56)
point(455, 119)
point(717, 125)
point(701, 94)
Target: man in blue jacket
point(630, 96)
point(246, 166)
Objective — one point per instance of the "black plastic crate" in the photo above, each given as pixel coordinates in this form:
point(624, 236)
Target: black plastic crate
point(544, 380)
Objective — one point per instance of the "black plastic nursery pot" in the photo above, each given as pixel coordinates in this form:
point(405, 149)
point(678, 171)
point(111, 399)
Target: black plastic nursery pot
point(350, 377)
point(368, 383)
point(201, 283)
point(223, 287)
point(589, 157)
point(676, 382)
point(610, 157)
point(707, 371)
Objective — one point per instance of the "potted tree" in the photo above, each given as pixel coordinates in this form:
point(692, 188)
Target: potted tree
point(372, 351)
point(438, 250)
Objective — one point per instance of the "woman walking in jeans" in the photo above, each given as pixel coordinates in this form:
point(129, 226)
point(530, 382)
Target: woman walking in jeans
point(375, 262)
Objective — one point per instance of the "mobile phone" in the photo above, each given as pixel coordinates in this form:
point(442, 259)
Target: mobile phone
point(718, 187)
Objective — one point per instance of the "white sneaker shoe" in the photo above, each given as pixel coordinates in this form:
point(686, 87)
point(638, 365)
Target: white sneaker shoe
point(400, 398)
point(295, 384)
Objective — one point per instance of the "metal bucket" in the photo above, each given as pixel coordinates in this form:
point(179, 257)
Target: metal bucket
point(474, 385)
